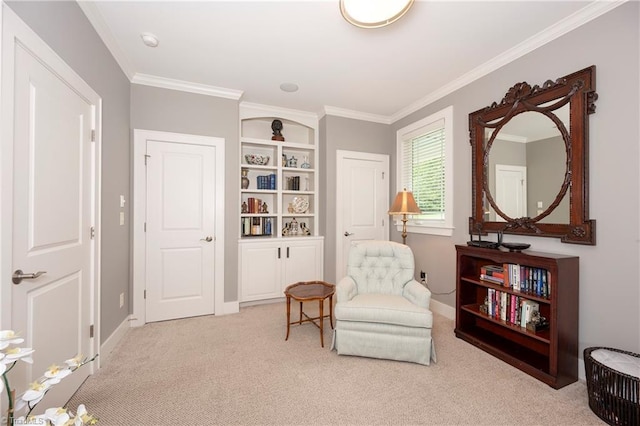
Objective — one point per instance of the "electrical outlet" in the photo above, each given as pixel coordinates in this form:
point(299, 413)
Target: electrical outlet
point(423, 275)
point(121, 300)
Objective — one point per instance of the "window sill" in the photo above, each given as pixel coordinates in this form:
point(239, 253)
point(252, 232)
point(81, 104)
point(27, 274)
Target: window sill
point(444, 231)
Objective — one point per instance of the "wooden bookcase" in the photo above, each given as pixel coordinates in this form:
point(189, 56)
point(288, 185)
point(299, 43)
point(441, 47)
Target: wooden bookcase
point(550, 355)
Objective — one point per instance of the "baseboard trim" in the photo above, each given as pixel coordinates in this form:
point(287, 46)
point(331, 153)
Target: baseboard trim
point(442, 309)
point(112, 341)
point(230, 308)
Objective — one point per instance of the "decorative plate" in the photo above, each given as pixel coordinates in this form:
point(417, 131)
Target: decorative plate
point(516, 246)
point(300, 204)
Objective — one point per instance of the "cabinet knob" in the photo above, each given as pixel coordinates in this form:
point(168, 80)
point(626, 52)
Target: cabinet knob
point(347, 233)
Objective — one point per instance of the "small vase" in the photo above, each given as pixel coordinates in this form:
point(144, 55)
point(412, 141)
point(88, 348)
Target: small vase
point(245, 179)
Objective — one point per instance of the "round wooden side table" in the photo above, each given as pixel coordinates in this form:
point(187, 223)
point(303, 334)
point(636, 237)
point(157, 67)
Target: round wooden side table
point(307, 291)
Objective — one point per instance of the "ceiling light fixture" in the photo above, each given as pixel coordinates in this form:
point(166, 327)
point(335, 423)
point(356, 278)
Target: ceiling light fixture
point(373, 13)
point(149, 39)
point(289, 87)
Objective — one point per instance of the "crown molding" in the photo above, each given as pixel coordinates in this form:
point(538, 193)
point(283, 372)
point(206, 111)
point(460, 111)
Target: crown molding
point(253, 110)
point(100, 26)
point(186, 86)
point(357, 115)
point(570, 23)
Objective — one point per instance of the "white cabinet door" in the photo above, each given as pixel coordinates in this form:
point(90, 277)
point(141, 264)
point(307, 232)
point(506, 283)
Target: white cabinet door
point(268, 267)
point(260, 271)
point(302, 262)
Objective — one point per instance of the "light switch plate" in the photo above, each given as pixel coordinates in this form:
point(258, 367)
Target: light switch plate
point(121, 218)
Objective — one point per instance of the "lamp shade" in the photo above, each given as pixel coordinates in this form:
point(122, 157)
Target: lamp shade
point(404, 204)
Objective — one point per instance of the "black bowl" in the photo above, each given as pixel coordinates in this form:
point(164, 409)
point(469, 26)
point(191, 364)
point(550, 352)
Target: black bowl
point(516, 246)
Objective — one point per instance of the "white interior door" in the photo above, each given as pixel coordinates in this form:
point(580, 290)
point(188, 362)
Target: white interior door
point(362, 201)
point(50, 113)
point(511, 191)
point(181, 240)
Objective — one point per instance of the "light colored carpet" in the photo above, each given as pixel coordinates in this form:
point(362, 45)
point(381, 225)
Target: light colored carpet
point(238, 369)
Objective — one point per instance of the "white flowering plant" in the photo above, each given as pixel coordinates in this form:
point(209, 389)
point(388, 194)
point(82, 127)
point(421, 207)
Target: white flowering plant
point(10, 354)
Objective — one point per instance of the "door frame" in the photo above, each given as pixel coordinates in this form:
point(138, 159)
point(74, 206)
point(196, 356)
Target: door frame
point(139, 196)
point(18, 29)
point(341, 155)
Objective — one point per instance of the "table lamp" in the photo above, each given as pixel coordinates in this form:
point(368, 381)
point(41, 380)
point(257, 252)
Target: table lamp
point(404, 204)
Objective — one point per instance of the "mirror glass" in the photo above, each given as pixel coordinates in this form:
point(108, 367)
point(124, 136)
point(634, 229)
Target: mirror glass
point(530, 168)
point(527, 167)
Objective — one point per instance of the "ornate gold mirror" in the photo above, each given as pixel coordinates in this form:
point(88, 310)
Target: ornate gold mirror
point(530, 164)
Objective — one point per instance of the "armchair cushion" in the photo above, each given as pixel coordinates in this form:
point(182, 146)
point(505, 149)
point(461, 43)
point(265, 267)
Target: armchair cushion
point(384, 309)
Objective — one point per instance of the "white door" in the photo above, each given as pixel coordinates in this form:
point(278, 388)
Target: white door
point(50, 115)
point(362, 202)
point(181, 185)
point(511, 191)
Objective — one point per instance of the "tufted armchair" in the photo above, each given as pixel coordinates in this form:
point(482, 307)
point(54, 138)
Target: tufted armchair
point(381, 310)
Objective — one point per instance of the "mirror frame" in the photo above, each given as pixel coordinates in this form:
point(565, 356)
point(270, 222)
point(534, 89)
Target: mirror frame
point(577, 90)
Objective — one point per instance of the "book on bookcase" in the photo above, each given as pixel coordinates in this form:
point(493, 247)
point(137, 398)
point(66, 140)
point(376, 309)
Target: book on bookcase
point(527, 279)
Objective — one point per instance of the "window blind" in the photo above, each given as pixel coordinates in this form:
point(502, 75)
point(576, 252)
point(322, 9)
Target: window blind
point(423, 167)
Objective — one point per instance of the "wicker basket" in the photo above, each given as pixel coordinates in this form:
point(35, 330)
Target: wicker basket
point(613, 395)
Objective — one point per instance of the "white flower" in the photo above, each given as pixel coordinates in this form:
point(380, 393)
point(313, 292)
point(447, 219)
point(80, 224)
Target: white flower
point(55, 374)
point(9, 337)
point(57, 416)
point(34, 394)
point(15, 354)
point(74, 362)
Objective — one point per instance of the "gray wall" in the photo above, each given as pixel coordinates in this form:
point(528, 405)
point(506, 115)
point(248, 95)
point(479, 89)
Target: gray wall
point(64, 27)
point(166, 110)
point(546, 168)
point(337, 133)
point(609, 296)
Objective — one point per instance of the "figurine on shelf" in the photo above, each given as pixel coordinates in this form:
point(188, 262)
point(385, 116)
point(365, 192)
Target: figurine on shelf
point(285, 162)
point(305, 163)
point(293, 161)
point(264, 208)
point(286, 230)
point(293, 227)
point(276, 126)
point(304, 230)
point(245, 208)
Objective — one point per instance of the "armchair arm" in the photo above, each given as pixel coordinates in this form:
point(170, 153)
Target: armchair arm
point(417, 294)
point(346, 289)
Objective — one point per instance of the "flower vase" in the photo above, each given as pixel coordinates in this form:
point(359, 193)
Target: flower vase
point(245, 180)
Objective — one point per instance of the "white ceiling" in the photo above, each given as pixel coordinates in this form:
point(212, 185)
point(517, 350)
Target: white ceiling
point(246, 49)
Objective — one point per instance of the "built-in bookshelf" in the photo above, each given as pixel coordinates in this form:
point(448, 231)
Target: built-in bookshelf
point(521, 307)
point(279, 237)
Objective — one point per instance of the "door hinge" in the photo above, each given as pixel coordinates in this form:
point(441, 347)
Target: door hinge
point(91, 331)
point(145, 294)
point(93, 232)
point(145, 227)
point(146, 156)
point(382, 175)
point(93, 135)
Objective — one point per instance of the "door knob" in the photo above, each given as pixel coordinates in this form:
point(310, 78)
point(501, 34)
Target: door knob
point(346, 233)
point(18, 276)
point(208, 239)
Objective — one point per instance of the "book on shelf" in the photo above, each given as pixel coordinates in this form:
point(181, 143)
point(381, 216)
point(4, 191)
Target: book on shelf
point(492, 273)
point(527, 279)
point(266, 181)
point(527, 309)
point(256, 226)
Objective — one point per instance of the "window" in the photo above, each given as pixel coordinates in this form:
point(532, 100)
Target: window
point(425, 167)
